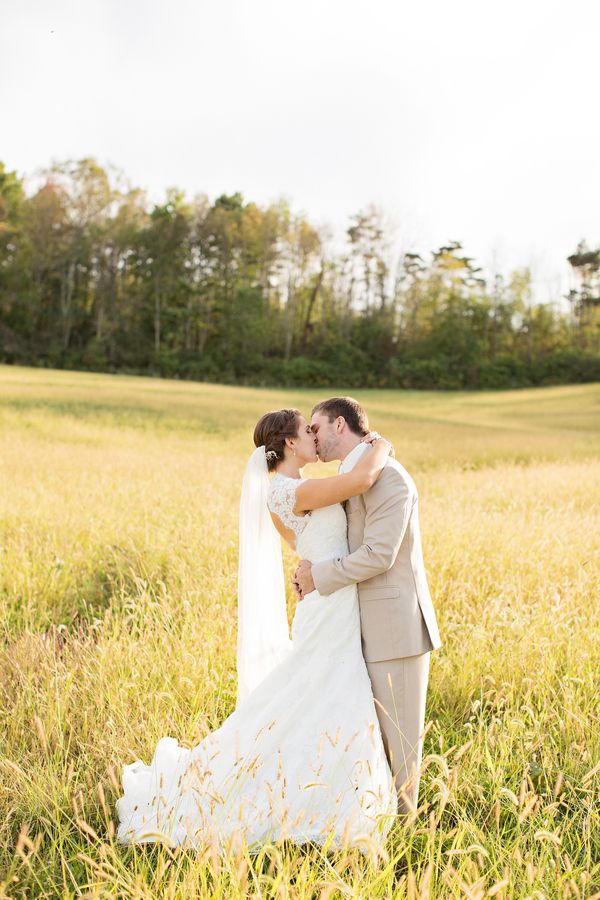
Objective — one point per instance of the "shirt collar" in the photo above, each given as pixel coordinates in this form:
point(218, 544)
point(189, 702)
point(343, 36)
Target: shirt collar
point(353, 457)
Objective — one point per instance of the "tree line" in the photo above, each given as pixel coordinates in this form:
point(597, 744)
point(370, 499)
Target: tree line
point(94, 277)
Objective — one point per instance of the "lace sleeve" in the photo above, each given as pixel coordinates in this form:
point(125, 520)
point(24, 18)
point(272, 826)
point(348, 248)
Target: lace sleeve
point(282, 499)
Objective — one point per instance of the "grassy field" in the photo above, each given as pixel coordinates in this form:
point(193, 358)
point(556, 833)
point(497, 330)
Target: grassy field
point(118, 567)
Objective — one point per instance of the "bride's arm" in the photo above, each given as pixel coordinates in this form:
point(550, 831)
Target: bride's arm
point(314, 493)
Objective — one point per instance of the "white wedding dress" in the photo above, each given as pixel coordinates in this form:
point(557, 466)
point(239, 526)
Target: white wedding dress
point(301, 758)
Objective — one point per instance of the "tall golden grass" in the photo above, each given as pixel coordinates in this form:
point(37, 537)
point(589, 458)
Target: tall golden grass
point(118, 565)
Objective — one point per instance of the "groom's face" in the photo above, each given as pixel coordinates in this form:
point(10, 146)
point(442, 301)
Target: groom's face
point(327, 436)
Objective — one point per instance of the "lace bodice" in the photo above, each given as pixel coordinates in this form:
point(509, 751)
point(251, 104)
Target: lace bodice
point(281, 500)
point(326, 536)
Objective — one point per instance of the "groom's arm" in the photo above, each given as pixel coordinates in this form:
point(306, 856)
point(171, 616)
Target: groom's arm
point(388, 506)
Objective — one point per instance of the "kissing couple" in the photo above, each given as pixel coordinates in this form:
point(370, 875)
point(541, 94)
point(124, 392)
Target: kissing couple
point(325, 742)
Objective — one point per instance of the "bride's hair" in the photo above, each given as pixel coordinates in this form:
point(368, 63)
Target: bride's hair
point(272, 429)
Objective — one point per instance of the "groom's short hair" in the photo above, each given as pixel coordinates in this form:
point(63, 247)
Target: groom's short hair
point(355, 416)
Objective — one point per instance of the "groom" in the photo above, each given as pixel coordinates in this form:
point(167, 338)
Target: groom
point(398, 623)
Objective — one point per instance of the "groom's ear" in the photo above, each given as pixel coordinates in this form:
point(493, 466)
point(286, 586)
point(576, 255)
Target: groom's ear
point(340, 424)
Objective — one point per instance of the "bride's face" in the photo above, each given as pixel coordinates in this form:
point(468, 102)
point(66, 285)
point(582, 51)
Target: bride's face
point(305, 444)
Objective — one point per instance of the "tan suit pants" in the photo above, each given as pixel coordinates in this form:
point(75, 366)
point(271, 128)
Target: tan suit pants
point(400, 688)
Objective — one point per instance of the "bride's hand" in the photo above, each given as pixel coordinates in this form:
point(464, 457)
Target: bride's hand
point(370, 437)
point(373, 437)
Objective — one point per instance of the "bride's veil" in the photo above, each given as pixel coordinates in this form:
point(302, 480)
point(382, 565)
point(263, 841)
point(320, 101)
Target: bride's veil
point(263, 633)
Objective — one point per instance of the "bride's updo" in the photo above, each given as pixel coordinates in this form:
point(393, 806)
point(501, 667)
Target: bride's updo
point(272, 429)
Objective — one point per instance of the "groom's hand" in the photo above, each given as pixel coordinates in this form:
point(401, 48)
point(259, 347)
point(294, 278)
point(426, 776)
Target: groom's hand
point(303, 577)
point(296, 588)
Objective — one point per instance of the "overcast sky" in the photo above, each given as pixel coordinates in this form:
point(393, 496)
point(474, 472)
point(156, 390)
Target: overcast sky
point(464, 119)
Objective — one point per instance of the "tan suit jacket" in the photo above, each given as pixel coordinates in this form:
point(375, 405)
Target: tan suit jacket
point(386, 562)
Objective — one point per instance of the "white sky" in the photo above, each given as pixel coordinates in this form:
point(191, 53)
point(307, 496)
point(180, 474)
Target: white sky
point(465, 119)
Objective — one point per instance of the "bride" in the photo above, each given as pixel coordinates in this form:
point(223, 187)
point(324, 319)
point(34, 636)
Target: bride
point(301, 758)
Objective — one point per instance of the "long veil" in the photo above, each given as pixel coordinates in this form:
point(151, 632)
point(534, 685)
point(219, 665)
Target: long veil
point(263, 632)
